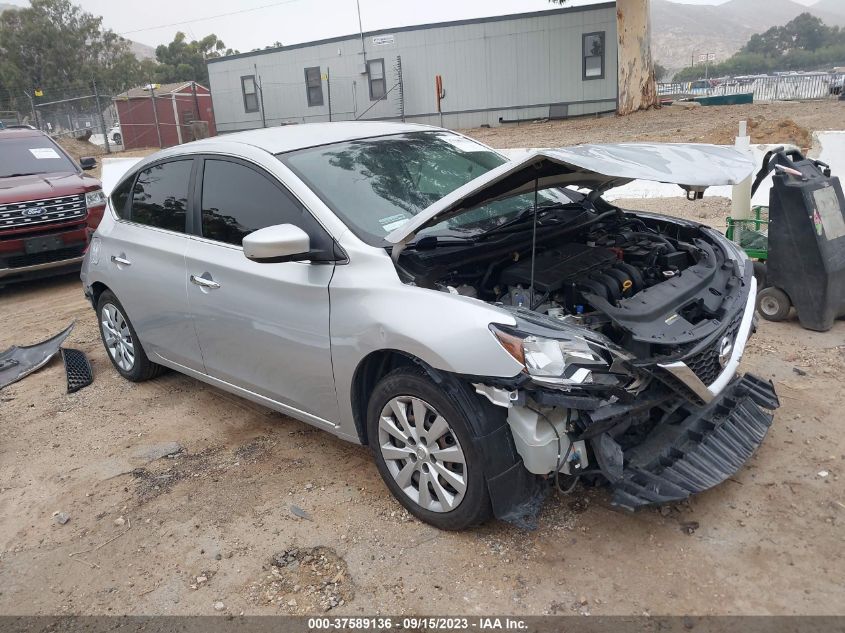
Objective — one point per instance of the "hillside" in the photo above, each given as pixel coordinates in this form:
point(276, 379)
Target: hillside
point(682, 30)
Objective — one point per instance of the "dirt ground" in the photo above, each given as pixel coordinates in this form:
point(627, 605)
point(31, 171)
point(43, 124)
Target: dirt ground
point(182, 499)
point(78, 148)
point(781, 122)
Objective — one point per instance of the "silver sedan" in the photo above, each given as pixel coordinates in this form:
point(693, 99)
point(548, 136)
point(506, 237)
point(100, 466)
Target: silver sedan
point(491, 328)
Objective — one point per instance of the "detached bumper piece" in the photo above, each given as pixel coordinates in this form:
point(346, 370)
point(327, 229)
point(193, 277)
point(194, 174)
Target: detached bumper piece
point(703, 450)
point(18, 362)
point(77, 368)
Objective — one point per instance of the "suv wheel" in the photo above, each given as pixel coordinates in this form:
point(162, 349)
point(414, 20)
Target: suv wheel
point(425, 452)
point(121, 342)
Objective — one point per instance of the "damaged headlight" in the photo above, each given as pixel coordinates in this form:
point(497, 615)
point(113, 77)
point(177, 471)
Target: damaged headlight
point(567, 361)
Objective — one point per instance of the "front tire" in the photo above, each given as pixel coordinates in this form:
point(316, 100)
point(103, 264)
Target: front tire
point(121, 342)
point(425, 451)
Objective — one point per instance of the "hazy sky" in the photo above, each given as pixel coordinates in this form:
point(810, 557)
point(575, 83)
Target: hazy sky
point(262, 22)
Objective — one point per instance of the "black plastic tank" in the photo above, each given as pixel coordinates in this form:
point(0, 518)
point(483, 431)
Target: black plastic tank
point(807, 240)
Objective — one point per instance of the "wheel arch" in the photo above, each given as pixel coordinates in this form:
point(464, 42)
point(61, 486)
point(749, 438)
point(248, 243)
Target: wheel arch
point(372, 368)
point(97, 290)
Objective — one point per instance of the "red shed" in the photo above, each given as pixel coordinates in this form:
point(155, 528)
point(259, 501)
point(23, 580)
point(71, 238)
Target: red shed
point(176, 106)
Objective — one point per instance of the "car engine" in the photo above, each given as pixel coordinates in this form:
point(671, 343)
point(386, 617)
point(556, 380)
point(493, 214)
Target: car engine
point(612, 265)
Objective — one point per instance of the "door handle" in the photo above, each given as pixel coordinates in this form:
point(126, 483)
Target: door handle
point(204, 283)
point(121, 260)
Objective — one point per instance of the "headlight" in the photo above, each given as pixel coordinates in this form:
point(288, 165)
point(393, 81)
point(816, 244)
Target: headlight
point(95, 198)
point(568, 360)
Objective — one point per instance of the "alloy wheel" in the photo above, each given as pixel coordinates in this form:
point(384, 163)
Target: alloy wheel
point(422, 453)
point(117, 337)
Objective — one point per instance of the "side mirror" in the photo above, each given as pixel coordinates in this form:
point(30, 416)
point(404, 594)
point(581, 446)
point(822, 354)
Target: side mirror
point(279, 243)
point(87, 162)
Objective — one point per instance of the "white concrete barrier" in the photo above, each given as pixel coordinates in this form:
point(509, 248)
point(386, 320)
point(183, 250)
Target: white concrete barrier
point(113, 169)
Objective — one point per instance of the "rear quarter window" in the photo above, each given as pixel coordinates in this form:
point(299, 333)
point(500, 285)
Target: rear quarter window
point(160, 195)
point(120, 199)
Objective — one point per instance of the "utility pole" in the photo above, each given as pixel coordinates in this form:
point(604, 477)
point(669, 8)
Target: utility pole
point(361, 30)
point(260, 96)
point(329, 89)
point(196, 100)
point(155, 112)
point(32, 106)
point(100, 115)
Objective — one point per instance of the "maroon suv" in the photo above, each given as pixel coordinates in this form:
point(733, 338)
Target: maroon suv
point(48, 207)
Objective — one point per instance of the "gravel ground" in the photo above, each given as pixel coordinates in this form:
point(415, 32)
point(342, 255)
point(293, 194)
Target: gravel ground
point(769, 123)
point(182, 499)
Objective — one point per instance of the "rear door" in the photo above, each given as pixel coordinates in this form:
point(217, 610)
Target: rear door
point(263, 327)
point(145, 253)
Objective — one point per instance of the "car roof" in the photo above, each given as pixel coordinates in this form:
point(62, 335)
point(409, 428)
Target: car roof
point(288, 138)
point(12, 132)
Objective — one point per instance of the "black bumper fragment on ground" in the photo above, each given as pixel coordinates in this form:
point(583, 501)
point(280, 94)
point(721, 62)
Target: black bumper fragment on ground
point(703, 450)
point(77, 368)
point(18, 362)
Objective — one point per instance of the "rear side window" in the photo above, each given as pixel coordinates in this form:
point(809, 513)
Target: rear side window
point(160, 195)
point(120, 199)
point(237, 200)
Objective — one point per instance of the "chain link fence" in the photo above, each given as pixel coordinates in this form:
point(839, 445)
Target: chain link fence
point(72, 112)
point(798, 87)
point(137, 118)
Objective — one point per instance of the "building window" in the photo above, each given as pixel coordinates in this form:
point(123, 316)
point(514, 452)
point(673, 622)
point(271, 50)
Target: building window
point(375, 71)
point(313, 86)
point(250, 91)
point(593, 53)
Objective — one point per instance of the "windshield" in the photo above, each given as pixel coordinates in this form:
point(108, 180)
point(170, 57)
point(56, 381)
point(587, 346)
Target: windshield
point(375, 185)
point(22, 156)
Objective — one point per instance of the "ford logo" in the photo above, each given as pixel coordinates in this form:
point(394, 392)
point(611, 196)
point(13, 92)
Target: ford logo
point(32, 212)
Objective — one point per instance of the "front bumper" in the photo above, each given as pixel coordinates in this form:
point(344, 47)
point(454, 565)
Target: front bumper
point(701, 451)
point(687, 376)
point(41, 270)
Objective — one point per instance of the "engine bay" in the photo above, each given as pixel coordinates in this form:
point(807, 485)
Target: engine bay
point(642, 282)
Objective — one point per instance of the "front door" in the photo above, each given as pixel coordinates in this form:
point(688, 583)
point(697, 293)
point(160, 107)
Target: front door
point(263, 327)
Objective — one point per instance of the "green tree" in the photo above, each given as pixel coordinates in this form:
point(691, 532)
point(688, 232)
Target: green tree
point(660, 71)
point(56, 47)
point(181, 60)
point(804, 43)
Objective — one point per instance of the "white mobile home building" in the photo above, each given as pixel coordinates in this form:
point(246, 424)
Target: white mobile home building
point(546, 64)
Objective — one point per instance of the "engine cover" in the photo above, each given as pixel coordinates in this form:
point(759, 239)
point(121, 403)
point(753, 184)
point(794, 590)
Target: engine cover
point(557, 267)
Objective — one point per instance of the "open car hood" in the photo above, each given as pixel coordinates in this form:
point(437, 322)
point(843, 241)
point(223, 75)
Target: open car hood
point(596, 167)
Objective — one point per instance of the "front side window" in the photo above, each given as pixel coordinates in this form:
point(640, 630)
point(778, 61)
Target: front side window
point(375, 71)
point(250, 92)
point(237, 200)
point(30, 155)
point(313, 86)
point(160, 196)
point(375, 185)
point(593, 53)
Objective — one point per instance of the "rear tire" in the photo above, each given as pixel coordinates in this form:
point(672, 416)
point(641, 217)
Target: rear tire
point(121, 342)
point(773, 304)
point(432, 464)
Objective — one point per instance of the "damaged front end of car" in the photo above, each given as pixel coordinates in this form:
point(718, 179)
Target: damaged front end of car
point(585, 407)
point(630, 326)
